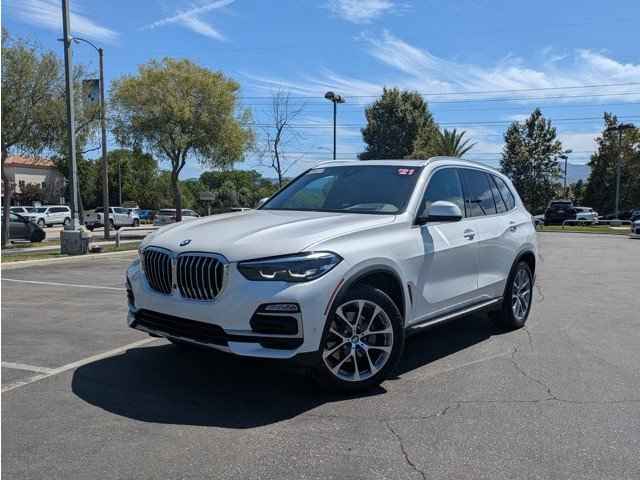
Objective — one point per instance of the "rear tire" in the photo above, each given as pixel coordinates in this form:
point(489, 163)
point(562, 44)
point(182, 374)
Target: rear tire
point(517, 299)
point(136, 222)
point(67, 221)
point(362, 342)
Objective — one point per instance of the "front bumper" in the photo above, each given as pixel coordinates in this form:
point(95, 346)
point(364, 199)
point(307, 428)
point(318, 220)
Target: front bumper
point(224, 323)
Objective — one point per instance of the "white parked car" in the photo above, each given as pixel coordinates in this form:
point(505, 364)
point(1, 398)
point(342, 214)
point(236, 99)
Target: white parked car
point(635, 229)
point(586, 215)
point(50, 215)
point(168, 215)
point(339, 266)
point(118, 217)
point(24, 211)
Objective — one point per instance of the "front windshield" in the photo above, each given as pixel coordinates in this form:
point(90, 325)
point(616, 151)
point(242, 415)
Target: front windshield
point(377, 189)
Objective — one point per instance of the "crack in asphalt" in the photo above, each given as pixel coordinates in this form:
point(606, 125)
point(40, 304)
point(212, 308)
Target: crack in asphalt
point(404, 451)
point(547, 388)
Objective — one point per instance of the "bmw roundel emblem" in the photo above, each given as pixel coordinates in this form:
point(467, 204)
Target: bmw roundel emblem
point(186, 242)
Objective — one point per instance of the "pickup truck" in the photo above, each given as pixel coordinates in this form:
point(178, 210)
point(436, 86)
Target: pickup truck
point(118, 217)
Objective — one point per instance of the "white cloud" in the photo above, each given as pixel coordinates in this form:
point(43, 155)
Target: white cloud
point(198, 26)
point(360, 11)
point(190, 19)
point(427, 72)
point(413, 68)
point(48, 14)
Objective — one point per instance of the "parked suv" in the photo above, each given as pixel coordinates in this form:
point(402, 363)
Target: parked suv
point(168, 215)
point(118, 217)
point(50, 215)
point(338, 267)
point(558, 211)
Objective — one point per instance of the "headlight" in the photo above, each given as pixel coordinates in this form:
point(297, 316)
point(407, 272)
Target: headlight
point(291, 268)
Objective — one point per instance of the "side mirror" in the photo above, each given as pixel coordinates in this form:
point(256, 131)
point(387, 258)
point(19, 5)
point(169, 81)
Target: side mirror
point(440, 211)
point(262, 201)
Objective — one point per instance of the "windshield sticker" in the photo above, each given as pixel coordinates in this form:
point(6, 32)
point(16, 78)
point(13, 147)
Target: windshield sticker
point(406, 171)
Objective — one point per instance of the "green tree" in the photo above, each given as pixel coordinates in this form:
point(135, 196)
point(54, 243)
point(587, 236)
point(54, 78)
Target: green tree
point(531, 157)
point(395, 122)
point(578, 190)
point(179, 110)
point(32, 192)
point(601, 186)
point(31, 81)
point(248, 187)
point(448, 143)
point(138, 173)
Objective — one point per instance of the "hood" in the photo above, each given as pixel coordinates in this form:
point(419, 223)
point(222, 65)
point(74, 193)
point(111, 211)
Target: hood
point(261, 233)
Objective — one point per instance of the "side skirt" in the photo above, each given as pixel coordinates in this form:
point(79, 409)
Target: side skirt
point(488, 305)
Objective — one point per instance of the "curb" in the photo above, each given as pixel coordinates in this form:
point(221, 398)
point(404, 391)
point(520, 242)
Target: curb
point(46, 261)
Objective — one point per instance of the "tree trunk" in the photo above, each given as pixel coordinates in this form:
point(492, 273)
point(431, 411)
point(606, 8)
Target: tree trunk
point(178, 195)
point(6, 201)
point(278, 168)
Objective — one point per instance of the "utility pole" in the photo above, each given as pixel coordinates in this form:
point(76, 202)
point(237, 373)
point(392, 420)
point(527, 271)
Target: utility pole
point(619, 128)
point(103, 128)
point(119, 183)
point(105, 165)
point(566, 194)
point(335, 99)
point(68, 77)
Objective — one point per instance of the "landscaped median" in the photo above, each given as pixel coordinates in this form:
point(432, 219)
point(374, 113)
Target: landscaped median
point(602, 229)
point(52, 254)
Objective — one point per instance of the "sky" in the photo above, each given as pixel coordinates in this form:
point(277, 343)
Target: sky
point(480, 64)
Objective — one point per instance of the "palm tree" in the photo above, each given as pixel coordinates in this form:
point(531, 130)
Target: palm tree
point(450, 144)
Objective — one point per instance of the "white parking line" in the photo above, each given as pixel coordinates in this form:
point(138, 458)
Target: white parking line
point(71, 366)
point(57, 284)
point(29, 368)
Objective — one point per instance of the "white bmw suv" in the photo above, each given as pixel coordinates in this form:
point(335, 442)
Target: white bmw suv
point(340, 265)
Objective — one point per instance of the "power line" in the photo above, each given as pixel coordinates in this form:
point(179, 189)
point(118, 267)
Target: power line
point(452, 124)
point(476, 92)
point(471, 100)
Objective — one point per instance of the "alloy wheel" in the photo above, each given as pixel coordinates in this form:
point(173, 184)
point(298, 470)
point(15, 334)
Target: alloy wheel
point(359, 342)
point(521, 295)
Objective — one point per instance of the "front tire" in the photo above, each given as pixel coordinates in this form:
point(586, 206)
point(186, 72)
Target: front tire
point(41, 223)
point(66, 222)
point(362, 342)
point(518, 296)
point(136, 223)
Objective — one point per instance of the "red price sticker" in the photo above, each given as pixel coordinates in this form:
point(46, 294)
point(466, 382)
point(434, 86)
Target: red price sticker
point(406, 171)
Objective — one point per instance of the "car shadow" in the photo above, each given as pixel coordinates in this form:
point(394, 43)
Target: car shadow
point(166, 384)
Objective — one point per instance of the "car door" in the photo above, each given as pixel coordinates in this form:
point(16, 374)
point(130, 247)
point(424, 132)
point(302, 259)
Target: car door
point(447, 273)
point(491, 226)
point(18, 228)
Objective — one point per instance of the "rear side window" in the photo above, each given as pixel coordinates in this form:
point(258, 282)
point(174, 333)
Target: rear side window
point(501, 207)
point(478, 198)
point(505, 191)
point(444, 185)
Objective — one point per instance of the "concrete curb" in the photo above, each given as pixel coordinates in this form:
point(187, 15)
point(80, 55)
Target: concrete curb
point(46, 261)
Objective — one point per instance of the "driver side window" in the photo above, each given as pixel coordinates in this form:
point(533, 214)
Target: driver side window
point(444, 185)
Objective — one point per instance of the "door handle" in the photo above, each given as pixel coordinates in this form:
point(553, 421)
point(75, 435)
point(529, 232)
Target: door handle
point(512, 226)
point(469, 234)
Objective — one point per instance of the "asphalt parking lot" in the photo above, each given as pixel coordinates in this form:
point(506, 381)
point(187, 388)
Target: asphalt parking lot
point(86, 397)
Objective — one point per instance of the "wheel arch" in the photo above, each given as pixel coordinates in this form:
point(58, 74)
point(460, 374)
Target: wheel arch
point(529, 257)
point(382, 277)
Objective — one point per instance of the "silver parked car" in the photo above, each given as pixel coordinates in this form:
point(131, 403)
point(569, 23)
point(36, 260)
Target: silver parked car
point(168, 215)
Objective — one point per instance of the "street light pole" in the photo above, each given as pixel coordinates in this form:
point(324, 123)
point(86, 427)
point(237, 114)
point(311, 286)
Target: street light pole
point(105, 165)
point(103, 128)
point(71, 137)
point(335, 99)
point(619, 128)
